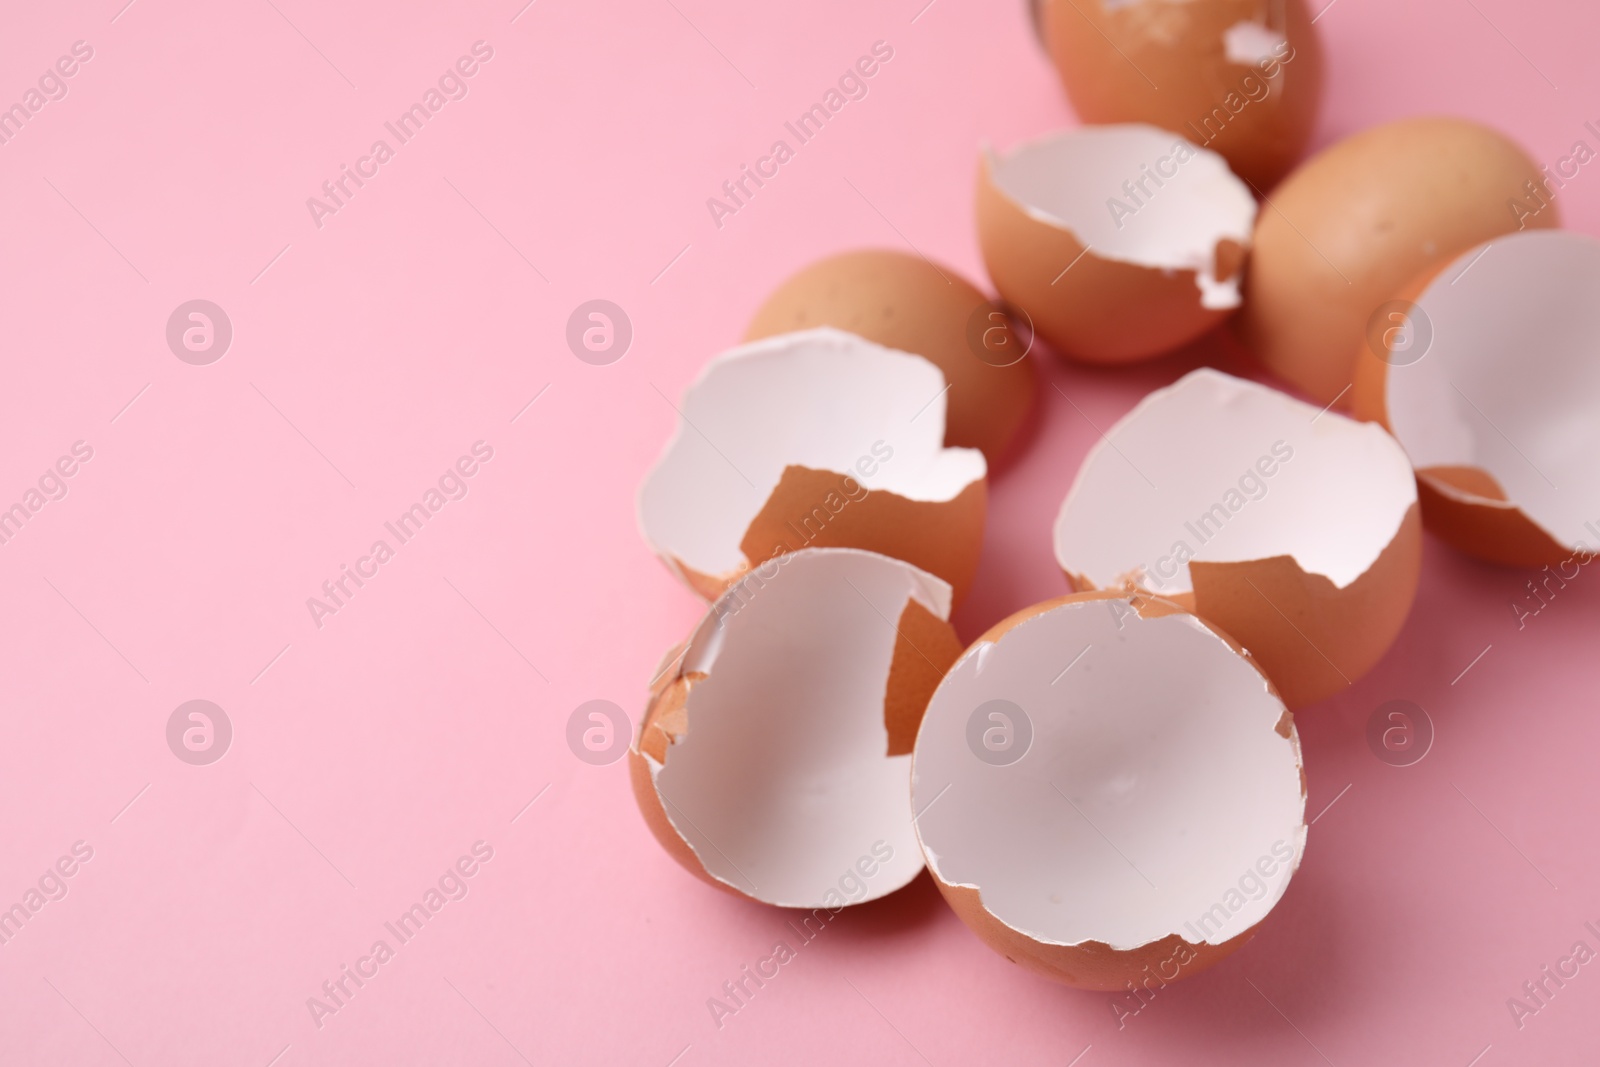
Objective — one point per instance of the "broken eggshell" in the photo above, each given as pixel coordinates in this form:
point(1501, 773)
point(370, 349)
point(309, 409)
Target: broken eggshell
point(1120, 242)
point(1243, 76)
point(813, 439)
point(1296, 531)
point(1109, 788)
point(908, 303)
point(1485, 372)
point(774, 758)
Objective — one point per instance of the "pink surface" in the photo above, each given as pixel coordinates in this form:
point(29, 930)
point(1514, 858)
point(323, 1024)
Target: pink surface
point(370, 753)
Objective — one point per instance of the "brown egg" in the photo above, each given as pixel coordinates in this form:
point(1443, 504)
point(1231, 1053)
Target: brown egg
point(1484, 371)
point(1241, 77)
point(908, 303)
point(1120, 242)
point(1344, 233)
point(1125, 792)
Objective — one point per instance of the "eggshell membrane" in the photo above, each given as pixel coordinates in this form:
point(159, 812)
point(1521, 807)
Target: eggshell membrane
point(1357, 222)
point(1501, 413)
point(771, 454)
point(1071, 894)
point(907, 303)
point(1313, 567)
point(777, 752)
point(1104, 286)
point(1176, 63)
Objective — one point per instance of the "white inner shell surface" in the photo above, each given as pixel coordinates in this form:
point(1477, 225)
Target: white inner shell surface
point(782, 784)
point(820, 398)
point(1172, 221)
point(1183, 476)
point(1248, 43)
point(1155, 798)
point(1510, 382)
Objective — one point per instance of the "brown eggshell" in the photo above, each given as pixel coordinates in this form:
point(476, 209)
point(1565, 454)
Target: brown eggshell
point(1299, 531)
point(940, 537)
point(1334, 635)
point(727, 769)
point(1094, 964)
point(1175, 65)
point(1357, 222)
point(1463, 504)
point(1086, 303)
point(728, 495)
point(908, 303)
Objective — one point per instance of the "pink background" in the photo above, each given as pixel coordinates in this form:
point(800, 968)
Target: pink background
point(370, 754)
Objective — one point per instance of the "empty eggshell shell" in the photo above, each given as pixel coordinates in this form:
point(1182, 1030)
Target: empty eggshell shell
point(1120, 242)
point(1488, 378)
point(1296, 531)
point(1242, 77)
point(908, 303)
point(774, 759)
point(1359, 221)
point(813, 439)
point(1109, 789)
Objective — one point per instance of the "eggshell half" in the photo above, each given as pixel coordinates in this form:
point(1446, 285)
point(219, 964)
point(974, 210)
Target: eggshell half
point(1120, 242)
point(1241, 77)
point(813, 439)
point(1498, 403)
point(908, 303)
point(1296, 531)
point(1152, 812)
point(1357, 222)
point(774, 759)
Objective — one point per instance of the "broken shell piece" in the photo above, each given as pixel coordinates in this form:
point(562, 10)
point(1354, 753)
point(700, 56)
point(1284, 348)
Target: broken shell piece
point(808, 440)
point(1121, 242)
point(1488, 379)
point(775, 761)
point(1296, 531)
point(1108, 789)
